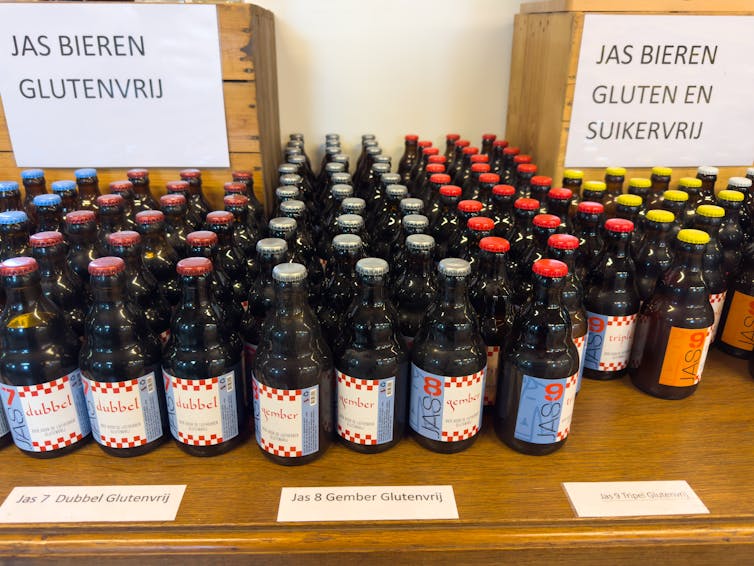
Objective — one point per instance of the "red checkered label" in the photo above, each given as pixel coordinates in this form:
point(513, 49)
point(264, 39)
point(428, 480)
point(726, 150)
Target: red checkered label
point(490, 386)
point(717, 300)
point(366, 409)
point(609, 340)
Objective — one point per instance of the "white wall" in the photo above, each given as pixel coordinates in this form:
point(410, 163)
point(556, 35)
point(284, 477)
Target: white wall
point(392, 67)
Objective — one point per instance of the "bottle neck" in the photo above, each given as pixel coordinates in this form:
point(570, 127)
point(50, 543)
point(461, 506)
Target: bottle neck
point(453, 291)
point(195, 291)
point(22, 290)
point(107, 290)
point(290, 298)
point(372, 291)
point(492, 266)
point(419, 263)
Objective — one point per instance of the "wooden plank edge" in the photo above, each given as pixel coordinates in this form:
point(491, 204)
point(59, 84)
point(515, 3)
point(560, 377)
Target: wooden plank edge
point(649, 6)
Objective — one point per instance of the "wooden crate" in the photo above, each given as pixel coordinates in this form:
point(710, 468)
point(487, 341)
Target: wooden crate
point(546, 44)
point(247, 45)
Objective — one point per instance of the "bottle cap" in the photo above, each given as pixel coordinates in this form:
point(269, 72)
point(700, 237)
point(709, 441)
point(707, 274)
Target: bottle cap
point(662, 171)
point(374, 149)
point(489, 137)
point(350, 221)
point(430, 151)
point(18, 266)
point(541, 181)
point(412, 205)
point(615, 171)
point(420, 243)
point(8, 186)
point(365, 137)
point(629, 200)
point(480, 158)
point(661, 216)
point(108, 265)
point(639, 182)
point(437, 159)
point(151, 217)
point(435, 168)
point(463, 143)
point(440, 179)
point(469, 205)
point(121, 186)
point(79, 217)
point(504, 190)
point(287, 169)
point(489, 178)
point(242, 175)
point(47, 200)
point(675, 196)
point(598, 186)
point(372, 267)
point(349, 205)
point(340, 192)
point(481, 224)
point(550, 268)
point(290, 179)
point(511, 151)
point(381, 168)
point(690, 182)
point(347, 242)
point(334, 167)
point(287, 192)
point(692, 236)
point(451, 191)
point(113, 199)
point(289, 272)
point(563, 242)
point(176, 199)
point(86, 173)
point(500, 143)
point(193, 266)
point(124, 238)
point(13, 217)
point(139, 173)
point(546, 221)
point(739, 182)
point(527, 168)
point(45, 239)
point(295, 159)
point(525, 203)
point(396, 192)
point(470, 150)
point(62, 186)
point(707, 170)
point(454, 267)
point(494, 244)
point(710, 211)
point(480, 168)
point(388, 179)
point(522, 158)
point(177, 186)
point(239, 200)
point(201, 238)
point(590, 207)
point(341, 178)
point(415, 222)
point(234, 187)
point(424, 143)
point(282, 225)
point(573, 174)
point(730, 195)
point(293, 207)
point(190, 174)
point(620, 225)
point(452, 137)
point(32, 174)
point(411, 137)
point(272, 246)
point(560, 193)
point(749, 171)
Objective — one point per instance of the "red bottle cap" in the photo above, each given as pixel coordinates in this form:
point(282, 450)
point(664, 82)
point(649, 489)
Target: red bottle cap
point(435, 168)
point(430, 151)
point(201, 238)
point(541, 181)
point(504, 190)
point(149, 217)
point(194, 266)
point(221, 217)
point(470, 150)
point(18, 266)
point(109, 200)
point(522, 158)
point(494, 244)
point(412, 137)
point(480, 167)
point(440, 179)
point(550, 268)
point(463, 143)
point(590, 207)
point(137, 173)
point(236, 200)
point(176, 199)
point(524, 203)
point(79, 217)
point(451, 191)
point(489, 178)
point(563, 242)
point(470, 206)
point(489, 137)
point(121, 186)
point(441, 159)
point(242, 175)
point(190, 174)
point(560, 193)
point(527, 168)
point(500, 143)
point(106, 266)
point(480, 158)
point(619, 225)
point(45, 239)
point(546, 221)
point(177, 186)
point(480, 223)
point(234, 187)
point(452, 137)
point(124, 238)
point(511, 151)
point(424, 143)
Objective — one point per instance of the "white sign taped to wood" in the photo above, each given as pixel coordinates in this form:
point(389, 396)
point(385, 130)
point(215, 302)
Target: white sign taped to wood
point(663, 90)
point(113, 85)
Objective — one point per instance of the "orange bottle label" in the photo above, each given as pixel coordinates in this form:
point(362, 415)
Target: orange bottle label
point(739, 326)
point(685, 356)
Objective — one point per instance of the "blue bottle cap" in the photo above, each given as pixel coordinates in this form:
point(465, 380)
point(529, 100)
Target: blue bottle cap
point(47, 200)
point(30, 174)
point(63, 186)
point(13, 217)
point(87, 173)
point(8, 186)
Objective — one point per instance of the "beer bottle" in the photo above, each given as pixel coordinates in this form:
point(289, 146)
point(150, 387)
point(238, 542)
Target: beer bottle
point(202, 369)
point(731, 235)
point(143, 290)
point(675, 201)
point(304, 240)
point(490, 294)
point(654, 255)
point(196, 201)
point(594, 191)
point(660, 182)
point(120, 367)
point(409, 157)
point(14, 234)
point(471, 185)
point(353, 224)
point(35, 185)
point(111, 219)
point(612, 303)
point(39, 367)
point(537, 386)
point(433, 196)
point(487, 141)
point(640, 187)
point(524, 173)
point(743, 186)
point(88, 189)
point(614, 179)
point(293, 383)
point(735, 336)
point(450, 145)
point(59, 283)
point(708, 218)
point(487, 181)
point(387, 227)
point(573, 179)
point(257, 217)
point(182, 188)
point(244, 239)
point(229, 256)
point(286, 229)
point(81, 233)
point(371, 367)
point(299, 165)
point(158, 255)
point(449, 364)
point(630, 207)
point(10, 196)
point(282, 194)
point(466, 210)
point(693, 187)
point(410, 224)
point(69, 196)
point(331, 210)
point(558, 202)
point(339, 287)
point(371, 190)
point(539, 187)
point(543, 226)
point(674, 328)
point(477, 228)
point(429, 182)
point(508, 166)
point(366, 159)
point(49, 212)
point(415, 288)
point(447, 221)
point(457, 158)
point(126, 191)
point(174, 208)
point(708, 176)
point(501, 209)
point(143, 199)
point(461, 167)
point(525, 209)
point(587, 225)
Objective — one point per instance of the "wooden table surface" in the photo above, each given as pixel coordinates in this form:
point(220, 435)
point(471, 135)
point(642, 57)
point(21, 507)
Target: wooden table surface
point(511, 506)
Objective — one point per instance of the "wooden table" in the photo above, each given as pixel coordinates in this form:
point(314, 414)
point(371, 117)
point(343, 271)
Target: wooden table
point(512, 507)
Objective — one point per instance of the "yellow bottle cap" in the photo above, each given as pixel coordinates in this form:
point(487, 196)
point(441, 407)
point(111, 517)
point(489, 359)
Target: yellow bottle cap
point(639, 182)
point(660, 215)
point(616, 171)
point(690, 182)
point(691, 236)
point(730, 195)
point(675, 196)
point(573, 174)
point(594, 186)
point(662, 171)
point(710, 210)
point(629, 200)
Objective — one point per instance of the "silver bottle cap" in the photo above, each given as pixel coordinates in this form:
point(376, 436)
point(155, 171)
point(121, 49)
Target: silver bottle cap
point(291, 179)
point(339, 192)
point(286, 193)
point(346, 242)
point(289, 272)
point(282, 225)
point(372, 267)
point(415, 223)
point(395, 192)
point(350, 221)
point(420, 243)
point(454, 267)
point(272, 246)
point(353, 205)
point(292, 207)
point(412, 205)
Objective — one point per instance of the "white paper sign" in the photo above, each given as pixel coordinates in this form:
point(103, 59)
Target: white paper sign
point(367, 503)
point(633, 498)
point(85, 503)
point(663, 90)
point(120, 85)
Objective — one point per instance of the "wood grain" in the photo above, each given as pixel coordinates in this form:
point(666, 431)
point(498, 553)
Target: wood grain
point(650, 6)
point(512, 507)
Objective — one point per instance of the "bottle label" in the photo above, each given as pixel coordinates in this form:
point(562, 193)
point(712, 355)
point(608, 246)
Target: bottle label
point(545, 408)
point(47, 416)
point(608, 343)
point(286, 420)
point(490, 384)
point(202, 412)
point(685, 355)
point(739, 326)
point(447, 409)
point(366, 408)
point(580, 343)
point(717, 300)
point(124, 414)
